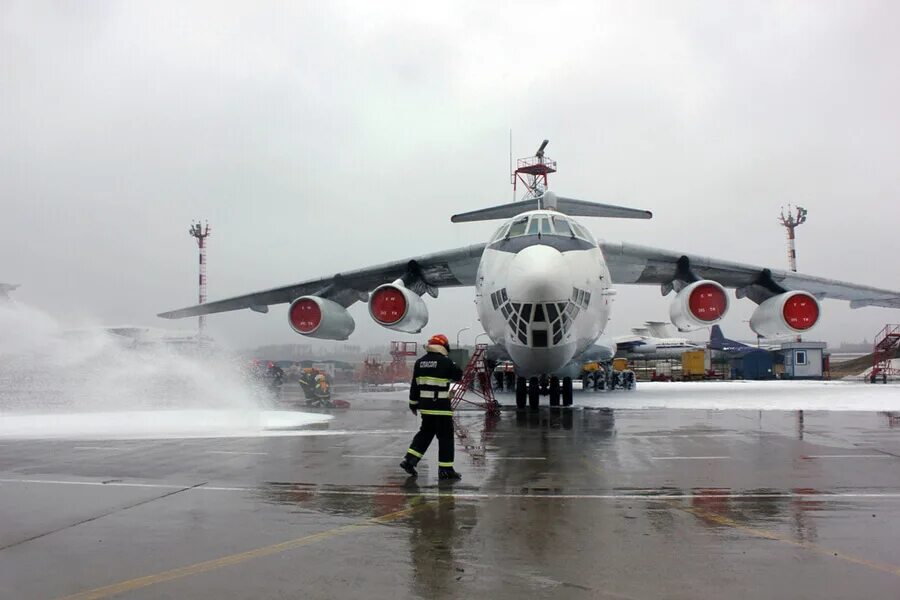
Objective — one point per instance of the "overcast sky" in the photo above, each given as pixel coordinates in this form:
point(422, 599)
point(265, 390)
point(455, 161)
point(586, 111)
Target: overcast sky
point(325, 136)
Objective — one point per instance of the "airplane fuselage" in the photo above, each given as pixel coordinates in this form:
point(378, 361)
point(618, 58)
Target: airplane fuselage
point(659, 348)
point(542, 291)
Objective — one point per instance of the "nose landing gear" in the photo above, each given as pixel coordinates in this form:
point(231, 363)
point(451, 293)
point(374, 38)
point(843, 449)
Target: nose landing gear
point(529, 391)
point(554, 391)
point(521, 392)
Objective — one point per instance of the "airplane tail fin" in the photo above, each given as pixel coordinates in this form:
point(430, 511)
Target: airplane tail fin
point(549, 200)
point(660, 329)
point(716, 335)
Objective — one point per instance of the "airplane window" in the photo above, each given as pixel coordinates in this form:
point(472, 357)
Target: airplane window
point(494, 300)
point(552, 313)
point(557, 337)
point(517, 228)
point(526, 312)
point(580, 232)
point(501, 233)
point(522, 338)
point(538, 313)
point(587, 299)
point(546, 229)
point(534, 227)
point(503, 294)
point(539, 338)
point(562, 226)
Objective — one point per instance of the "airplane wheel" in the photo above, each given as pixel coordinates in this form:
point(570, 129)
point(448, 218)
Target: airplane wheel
point(554, 391)
point(567, 391)
point(534, 394)
point(521, 392)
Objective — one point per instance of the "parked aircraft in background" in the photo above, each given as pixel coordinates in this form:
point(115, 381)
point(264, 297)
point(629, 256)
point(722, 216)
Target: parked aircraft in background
point(544, 286)
point(655, 340)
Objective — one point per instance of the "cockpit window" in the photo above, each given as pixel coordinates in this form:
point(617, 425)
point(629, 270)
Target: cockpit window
point(501, 233)
point(580, 232)
point(534, 227)
point(546, 229)
point(518, 227)
point(562, 226)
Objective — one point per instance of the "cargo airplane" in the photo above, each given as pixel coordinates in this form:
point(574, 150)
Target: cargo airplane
point(544, 288)
point(653, 341)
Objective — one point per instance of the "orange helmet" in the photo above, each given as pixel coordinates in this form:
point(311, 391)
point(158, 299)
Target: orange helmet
point(439, 340)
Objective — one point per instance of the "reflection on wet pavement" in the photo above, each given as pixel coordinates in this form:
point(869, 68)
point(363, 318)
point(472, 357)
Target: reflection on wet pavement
point(558, 503)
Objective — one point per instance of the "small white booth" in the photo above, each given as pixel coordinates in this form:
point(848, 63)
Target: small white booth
point(803, 360)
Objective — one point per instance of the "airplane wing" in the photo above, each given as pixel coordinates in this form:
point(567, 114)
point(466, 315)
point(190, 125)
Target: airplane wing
point(630, 263)
point(420, 274)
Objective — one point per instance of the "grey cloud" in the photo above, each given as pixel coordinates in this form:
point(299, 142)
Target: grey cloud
point(317, 137)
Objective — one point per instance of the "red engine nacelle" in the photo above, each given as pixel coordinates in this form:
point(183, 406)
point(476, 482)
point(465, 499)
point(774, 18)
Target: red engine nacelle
point(320, 318)
point(784, 314)
point(700, 304)
point(393, 306)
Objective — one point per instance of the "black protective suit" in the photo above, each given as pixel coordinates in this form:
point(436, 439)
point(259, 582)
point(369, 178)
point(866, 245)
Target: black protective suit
point(429, 394)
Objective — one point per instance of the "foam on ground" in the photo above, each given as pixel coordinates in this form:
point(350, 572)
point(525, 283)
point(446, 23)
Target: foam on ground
point(156, 424)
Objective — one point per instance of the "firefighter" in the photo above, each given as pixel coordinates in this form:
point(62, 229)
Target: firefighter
point(308, 384)
point(430, 395)
point(323, 391)
point(275, 376)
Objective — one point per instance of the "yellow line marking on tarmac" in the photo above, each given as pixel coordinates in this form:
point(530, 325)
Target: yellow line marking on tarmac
point(771, 535)
point(234, 559)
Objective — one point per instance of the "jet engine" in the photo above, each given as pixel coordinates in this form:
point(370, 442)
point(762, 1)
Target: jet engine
point(784, 314)
point(320, 318)
point(394, 306)
point(700, 304)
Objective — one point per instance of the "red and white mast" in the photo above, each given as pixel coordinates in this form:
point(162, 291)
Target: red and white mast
point(201, 232)
point(792, 221)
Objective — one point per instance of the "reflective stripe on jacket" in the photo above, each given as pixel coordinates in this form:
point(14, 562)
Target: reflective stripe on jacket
point(432, 377)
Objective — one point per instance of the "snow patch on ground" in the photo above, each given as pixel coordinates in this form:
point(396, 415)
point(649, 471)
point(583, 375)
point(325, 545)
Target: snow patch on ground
point(895, 364)
point(716, 395)
point(751, 395)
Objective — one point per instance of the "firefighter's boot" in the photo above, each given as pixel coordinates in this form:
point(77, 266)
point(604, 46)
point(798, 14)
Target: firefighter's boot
point(409, 465)
point(448, 474)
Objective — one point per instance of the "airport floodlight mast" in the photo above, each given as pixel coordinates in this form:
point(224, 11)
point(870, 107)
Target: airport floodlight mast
point(532, 172)
point(792, 221)
point(201, 232)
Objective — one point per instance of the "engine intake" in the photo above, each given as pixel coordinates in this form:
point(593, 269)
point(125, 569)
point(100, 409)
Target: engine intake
point(317, 317)
point(700, 304)
point(395, 307)
point(784, 314)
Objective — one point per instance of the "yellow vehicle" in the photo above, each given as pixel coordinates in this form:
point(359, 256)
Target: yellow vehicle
point(590, 367)
point(693, 364)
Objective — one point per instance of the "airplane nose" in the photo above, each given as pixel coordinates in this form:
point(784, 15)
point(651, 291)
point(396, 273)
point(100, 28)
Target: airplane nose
point(539, 274)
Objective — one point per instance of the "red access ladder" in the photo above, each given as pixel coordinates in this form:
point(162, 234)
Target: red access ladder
point(886, 343)
point(475, 371)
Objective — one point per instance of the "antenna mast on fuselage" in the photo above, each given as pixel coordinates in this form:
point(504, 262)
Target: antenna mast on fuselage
point(532, 172)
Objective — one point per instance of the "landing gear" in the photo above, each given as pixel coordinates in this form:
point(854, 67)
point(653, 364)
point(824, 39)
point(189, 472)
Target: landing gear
point(567, 391)
point(521, 392)
point(554, 391)
point(534, 393)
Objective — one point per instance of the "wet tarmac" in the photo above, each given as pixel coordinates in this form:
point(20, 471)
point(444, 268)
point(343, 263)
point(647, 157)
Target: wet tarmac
point(581, 503)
